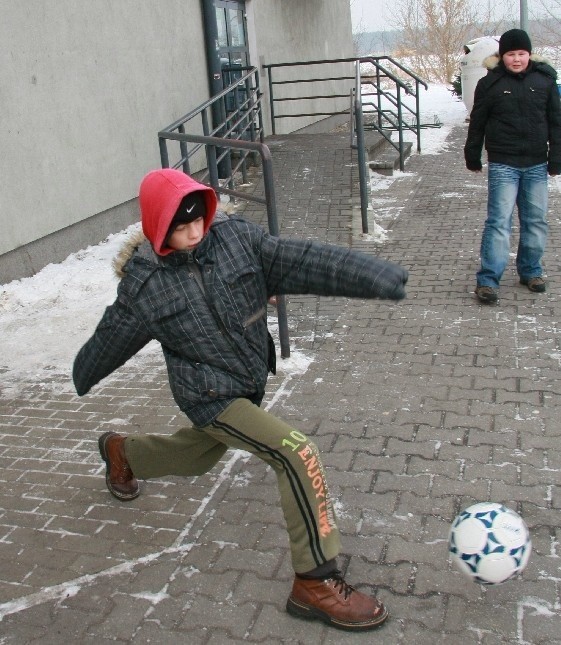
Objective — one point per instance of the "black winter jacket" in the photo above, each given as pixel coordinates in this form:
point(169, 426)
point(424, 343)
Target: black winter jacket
point(207, 308)
point(518, 116)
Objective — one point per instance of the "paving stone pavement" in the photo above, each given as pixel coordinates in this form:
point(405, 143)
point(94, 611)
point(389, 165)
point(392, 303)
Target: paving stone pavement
point(420, 408)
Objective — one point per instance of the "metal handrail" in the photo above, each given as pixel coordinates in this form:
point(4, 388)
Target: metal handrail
point(400, 123)
point(355, 111)
point(381, 72)
point(244, 121)
point(218, 142)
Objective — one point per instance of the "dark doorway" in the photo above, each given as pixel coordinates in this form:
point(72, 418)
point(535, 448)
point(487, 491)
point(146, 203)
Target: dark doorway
point(233, 50)
point(232, 34)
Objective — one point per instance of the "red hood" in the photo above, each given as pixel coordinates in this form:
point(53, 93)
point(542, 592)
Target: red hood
point(160, 193)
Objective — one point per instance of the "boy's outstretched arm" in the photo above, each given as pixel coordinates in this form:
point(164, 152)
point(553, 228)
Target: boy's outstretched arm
point(117, 338)
point(303, 266)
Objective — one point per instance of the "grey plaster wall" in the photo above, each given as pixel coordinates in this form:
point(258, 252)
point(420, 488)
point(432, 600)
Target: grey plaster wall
point(84, 89)
point(302, 30)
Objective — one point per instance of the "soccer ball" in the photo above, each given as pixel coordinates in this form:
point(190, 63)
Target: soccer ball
point(490, 543)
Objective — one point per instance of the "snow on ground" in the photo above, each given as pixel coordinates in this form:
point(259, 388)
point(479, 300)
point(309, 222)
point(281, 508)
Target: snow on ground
point(438, 106)
point(46, 318)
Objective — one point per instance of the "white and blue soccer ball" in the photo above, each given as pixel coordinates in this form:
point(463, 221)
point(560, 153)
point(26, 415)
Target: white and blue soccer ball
point(490, 543)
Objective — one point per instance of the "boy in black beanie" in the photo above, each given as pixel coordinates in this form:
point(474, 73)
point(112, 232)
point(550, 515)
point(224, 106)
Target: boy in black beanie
point(517, 113)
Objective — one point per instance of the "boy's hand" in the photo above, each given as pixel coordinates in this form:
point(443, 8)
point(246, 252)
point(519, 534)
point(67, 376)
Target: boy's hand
point(474, 166)
point(391, 282)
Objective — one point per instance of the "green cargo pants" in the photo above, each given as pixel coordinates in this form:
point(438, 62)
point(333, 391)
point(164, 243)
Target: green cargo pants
point(306, 503)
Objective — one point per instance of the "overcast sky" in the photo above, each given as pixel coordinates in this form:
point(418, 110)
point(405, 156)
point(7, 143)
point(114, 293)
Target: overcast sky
point(375, 15)
point(370, 15)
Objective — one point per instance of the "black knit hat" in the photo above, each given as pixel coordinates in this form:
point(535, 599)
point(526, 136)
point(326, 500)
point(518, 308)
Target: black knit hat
point(514, 40)
point(190, 208)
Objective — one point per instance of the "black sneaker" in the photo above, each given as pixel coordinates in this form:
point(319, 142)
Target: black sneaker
point(486, 295)
point(536, 284)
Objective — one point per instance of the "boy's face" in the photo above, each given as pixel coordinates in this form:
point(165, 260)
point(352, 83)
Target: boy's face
point(187, 236)
point(516, 61)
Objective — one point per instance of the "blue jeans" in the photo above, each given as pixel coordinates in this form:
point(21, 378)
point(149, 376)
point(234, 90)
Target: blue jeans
point(525, 188)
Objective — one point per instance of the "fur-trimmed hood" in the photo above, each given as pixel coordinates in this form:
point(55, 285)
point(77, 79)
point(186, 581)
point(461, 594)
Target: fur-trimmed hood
point(543, 64)
point(131, 244)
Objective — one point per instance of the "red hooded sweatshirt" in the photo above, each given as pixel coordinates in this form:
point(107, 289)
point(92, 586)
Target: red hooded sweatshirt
point(160, 194)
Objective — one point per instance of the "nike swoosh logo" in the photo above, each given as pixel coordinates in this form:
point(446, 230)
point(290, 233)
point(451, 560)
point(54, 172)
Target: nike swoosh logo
point(190, 209)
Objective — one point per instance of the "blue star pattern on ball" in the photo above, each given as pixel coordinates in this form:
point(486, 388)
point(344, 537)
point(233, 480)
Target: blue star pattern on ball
point(489, 543)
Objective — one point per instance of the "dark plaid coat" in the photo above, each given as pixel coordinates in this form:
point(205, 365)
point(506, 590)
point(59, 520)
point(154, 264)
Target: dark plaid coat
point(207, 308)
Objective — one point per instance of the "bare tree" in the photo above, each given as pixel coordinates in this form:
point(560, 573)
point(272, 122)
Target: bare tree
point(361, 45)
point(550, 9)
point(546, 30)
point(433, 32)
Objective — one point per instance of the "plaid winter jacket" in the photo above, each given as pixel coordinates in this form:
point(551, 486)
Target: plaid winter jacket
point(207, 308)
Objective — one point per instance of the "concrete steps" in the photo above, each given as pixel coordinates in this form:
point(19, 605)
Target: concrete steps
point(382, 157)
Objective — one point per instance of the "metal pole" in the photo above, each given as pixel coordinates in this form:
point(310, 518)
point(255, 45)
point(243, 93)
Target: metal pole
point(400, 129)
point(164, 157)
point(269, 184)
point(271, 99)
point(184, 151)
point(362, 173)
point(210, 154)
point(524, 15)
point(418, 114)
point(361, 148)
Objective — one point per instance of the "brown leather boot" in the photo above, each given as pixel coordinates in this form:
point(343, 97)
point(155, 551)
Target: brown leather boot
point(336, 603)
point(120, 481)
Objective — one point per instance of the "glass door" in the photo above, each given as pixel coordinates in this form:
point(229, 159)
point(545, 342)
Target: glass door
point(232, 37)
point(232, 48)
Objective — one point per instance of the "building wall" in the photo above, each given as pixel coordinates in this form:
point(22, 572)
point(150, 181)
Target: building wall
point(84, 89)
point(302, 30)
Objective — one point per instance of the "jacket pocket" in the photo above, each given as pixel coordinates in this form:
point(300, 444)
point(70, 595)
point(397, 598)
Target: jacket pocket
point(172, 308)
point(245, 296)
point(173, 324)
point(538, 97)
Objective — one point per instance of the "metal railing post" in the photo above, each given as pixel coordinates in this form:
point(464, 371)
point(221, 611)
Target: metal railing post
point(379, 97)
point(183, 149)
point(361, 151)
point(251, 112)
point(352, 124)
point(225, 165)
point(271, 100)
point(400, 129)
point(164, 156)
point(418, 115)
point(271, 201)
point(362, 168)
point(211, 160)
